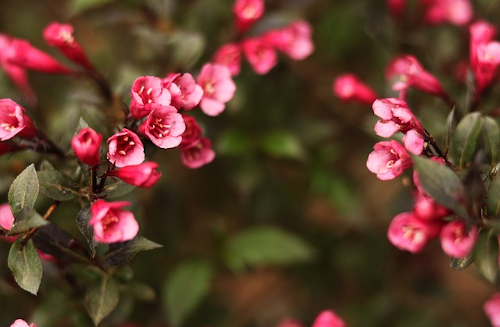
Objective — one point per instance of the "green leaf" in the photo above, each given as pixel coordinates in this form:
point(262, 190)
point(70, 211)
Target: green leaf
point(78, 6)
point(493, 198)
point(102, 298)
point(122, 253)
point(486, 254)
point(186, 287)
point(82, 222)
point(491, 136)
point(56, 185)
point(451, 123)
point(441, 183)
point(24, 190)
point(52, 239)
point(266, 246)
point(233, 142)
point(283, 145)
point(25, 265)
point(27, 219)
point(465, 138)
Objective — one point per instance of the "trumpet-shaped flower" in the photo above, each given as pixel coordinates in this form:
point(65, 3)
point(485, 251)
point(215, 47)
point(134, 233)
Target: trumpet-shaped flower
point(142, 175)
point(349, 88)
point(198, 154)
point(409, 233)
point(456, 240)
point(146, 91)
point(14, 121)
point(112, 224)
point(186, 94)
point(218, 88)
point(260, 54)
point(125, 148)
point(164, 126)
point(246, 13)
point(388, 160)
point(229, 55)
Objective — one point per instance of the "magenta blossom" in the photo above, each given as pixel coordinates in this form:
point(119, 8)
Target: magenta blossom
point(456, 12)
point(14, 121)
point(146, 91)
point(388, 160)
point(6, 217)
point(349, 88)
point(481, 33)
point(218, 88)
point(142, 175)
point(164, 126)
point(260, 54)
point(426, 208)
point(396, 7)
point(246, 13)
point(198, 154)
point(112, 224)
point(409, 233)
point(487, 61)
point(456, 240)
point(328, 318)
point(295, 40)
point(192, 134)
point(21, 323)
point(229, 55)
point(87, 146)
point(492, 309)
point(125, 148)
point(186, 94)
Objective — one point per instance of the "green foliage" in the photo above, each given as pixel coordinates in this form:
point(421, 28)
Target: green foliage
point(24, 190)
point(82, 222)
point(465, 138)
point(122, 253)
point(486, 255)
point(27, 219)
point(25, 265)
point(491, 136)
point(56, 185)
point(102, 298)
point(493, 199)
point(281, 144)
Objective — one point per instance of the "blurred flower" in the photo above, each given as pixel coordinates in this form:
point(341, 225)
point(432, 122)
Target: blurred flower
point(456, 241)
point(457, 12)
point(426, 208)
point(192, 133)
point(492, 309)
point(246, 13)
point(260, 54)
point(295, 40)
point(112, 224)
point(481, 32)
point(14, 121)
point(218, 88)
point(147, 90)
point(125, 149)
point(349, 88)
point(21, 323)
point(488, 59)
point(186, 94)
point(164, 126)
point(396, 7)
point(198, 154)
point(142, 175)
point(328, 318)
point(229, 55)
point(289, 323)
point(409, 233)
point(388, 160)
point(6, 216)
point(87, 146)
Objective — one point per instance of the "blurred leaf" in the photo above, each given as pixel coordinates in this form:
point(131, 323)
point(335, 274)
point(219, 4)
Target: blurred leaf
point(465, 137)
point(451, 123)
point(81, 124)
point(282, 145)
point(102, 298)
point(56, 185)
point(186, 287)
point(462, 263)
point(441, 183)
point(122, 253)
point(486, 254)
point(78, 6)
point(45, 315)
point(140, 291)
point(45, 165)
point(24, 190)
point(493, 198)
point(233, 142)
point(27, 219)
point(266, 246)
point(187, 47)
point(491, 136)
point(82, 222)
point(25, 265)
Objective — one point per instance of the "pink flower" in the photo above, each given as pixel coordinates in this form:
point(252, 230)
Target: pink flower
point(229, 55)
point(186, 94)
point(21, 323)
point(61, 36)
point(457, 12)
point(112, 224)
point(260, 54)
point(192, 134)
point(409, 233)
point(328, 318)
point(198, 154)
point(23, 54)
point(456, 241)
point(218, 88)
point(146, 91)
point(142, 175)
point(6, 217)
point(408, 72)
point(246, 13)
point(125, 149)
point(487, 61)
point(349, 88)
point(492, 309)
point(87, 146)
point(396, 7)
point(295, 40)
point(164, 126)
point(481, 33)
point(426, 208)
point(388, 160)
point(14, 121)
point(396, 116)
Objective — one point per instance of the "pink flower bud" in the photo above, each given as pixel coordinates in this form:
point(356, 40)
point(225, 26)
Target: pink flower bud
point(456, 241)
point(6, 217)
point(426, 208)
point(487, 61)
point(146, 91)
point(186, 94)
point(295, 40)
point(388, 160)
point(21, 323)
point(87, 146)
point(23, 54)
point(112, 224)
point(328, 318)
point(349, 88)
point(142, 175)
point(14, 121)
point(246, 13)
point(457, 12)
point(61, 36)
point(164, 126)
point(261, 56)
point(492, 309)
point(229, 55)
point(409, 233)
point(198, 154)
point(218, 88)
point(192, 134)
point(125, 149)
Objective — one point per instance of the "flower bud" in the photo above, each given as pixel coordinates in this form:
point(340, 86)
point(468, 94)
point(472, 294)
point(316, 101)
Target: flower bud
point(349, 88)
point(86, 145)
point(142, 175)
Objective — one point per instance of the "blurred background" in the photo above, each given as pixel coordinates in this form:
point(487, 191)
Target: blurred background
point(287, 221)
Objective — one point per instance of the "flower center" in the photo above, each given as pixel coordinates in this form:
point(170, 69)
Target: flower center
point(124, 144)
point(158, 129)
point(109, 220)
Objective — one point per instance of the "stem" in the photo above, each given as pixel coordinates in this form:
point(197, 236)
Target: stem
point(46, 216)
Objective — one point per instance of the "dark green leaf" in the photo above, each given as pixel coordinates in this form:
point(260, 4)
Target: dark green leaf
point(462, 263)
point(140, 291)
point(27, 219)
point(266, 246)
point(25, 265)
point(116, 189)
point(45, 165)
point(102, 298)
point(491, 136)
point(81, 122)
point(52, 239)
point(465, 138)
point(24, 190)
point(185, 289)
point(56, 185)
point(82, 222)
point(122, 253)
point(493, 198)
point(451, 123)
point(441, 183)
point(283, 145)
point(486, 254)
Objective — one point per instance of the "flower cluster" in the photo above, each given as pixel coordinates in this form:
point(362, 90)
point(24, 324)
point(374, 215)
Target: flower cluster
point(456, 12)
